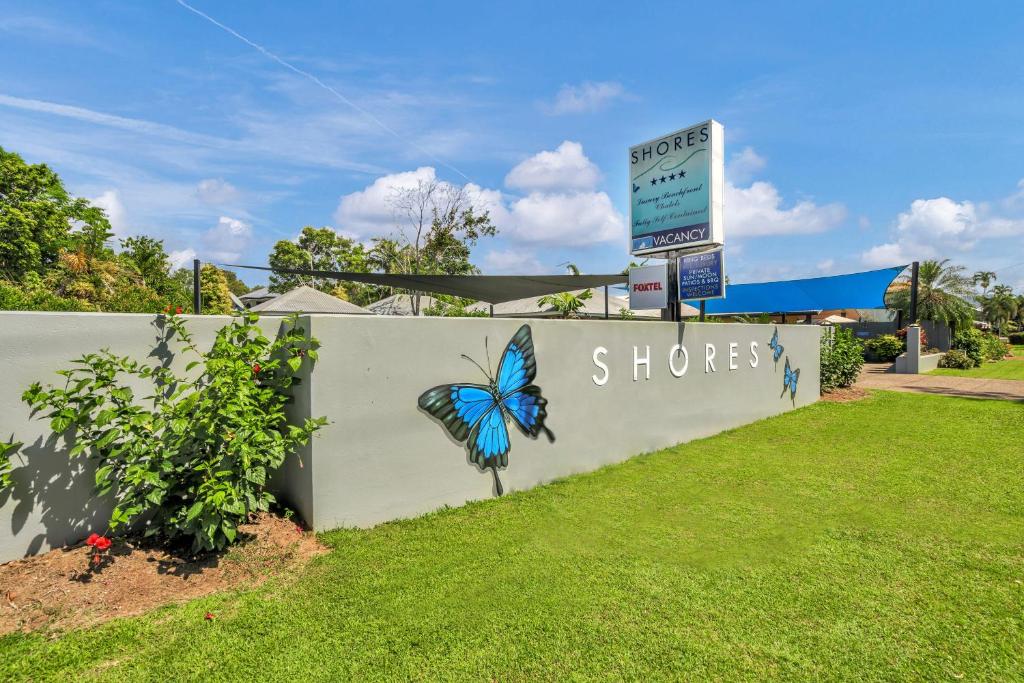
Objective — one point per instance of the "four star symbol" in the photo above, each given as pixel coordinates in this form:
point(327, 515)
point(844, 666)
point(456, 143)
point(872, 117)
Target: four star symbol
point(673, 176)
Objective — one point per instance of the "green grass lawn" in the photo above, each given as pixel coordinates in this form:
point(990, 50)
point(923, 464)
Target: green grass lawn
point(881, 539)
point(1001, 369)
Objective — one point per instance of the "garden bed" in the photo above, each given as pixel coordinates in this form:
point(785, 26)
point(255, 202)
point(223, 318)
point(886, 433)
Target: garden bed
point(59, 590)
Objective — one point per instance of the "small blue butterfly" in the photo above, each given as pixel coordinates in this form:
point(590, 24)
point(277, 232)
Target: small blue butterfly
point(789, 380)
point(775, 346)
point(477, 413)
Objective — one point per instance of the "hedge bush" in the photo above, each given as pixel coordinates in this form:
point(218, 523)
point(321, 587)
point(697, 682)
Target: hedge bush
point(842, 357)
point(884, 348)
point(956, 358)
point(993, 348)
point(969, 341)
point(1016, 338)
point(193, 457)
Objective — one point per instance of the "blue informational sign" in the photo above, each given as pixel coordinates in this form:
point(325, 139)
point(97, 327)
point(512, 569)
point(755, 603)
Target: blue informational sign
point(702, 276)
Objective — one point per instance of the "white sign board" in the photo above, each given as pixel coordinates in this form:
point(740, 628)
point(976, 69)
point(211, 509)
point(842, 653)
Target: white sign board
point(677, 190)
point(648, 287)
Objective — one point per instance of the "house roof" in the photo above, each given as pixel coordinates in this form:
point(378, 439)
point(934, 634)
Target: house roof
point(400, 304)
point(592, 307)
point(258, 293)
point(305, 299)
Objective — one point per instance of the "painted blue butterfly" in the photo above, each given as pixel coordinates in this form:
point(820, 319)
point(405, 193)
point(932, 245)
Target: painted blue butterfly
point(789, 380)
point(478, 413)
point(775, 346)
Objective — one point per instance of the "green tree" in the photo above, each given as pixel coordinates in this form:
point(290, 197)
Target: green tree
point(213, 287)
point(1000, 307)
point(235, 284)
point(438, 227)
point(942, 295)
point(146, 256)
point(36, 219)
point(319, 249)
point(985, 279)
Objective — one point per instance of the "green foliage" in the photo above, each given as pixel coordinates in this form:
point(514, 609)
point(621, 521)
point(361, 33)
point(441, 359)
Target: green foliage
point(192, 457)
point(319, 249)
point(453, 307)
point(969, 340)
point(883, 348)
point(993, 348)
point(6, 468)
point(841, 359)
point(20, 298)
point(943, 294)
point(213, 287)
point(566, 304)
point(1000, 307)
point(956, 358)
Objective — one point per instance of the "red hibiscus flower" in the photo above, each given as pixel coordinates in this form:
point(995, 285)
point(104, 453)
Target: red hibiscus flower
point(209, 616)
point(96, 558)
point(256, 368)
point(92, 539)
point(177, 310)
point(102, 543)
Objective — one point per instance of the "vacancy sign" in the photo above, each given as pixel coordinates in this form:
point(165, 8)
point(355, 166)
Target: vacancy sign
point(648, 287)
point(676, 190)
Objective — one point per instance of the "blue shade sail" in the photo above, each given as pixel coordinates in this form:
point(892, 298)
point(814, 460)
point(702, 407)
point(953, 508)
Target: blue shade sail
point(856, 290)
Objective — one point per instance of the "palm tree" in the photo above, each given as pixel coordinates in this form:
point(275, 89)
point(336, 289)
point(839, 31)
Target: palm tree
point(567, 304)
point(985, 279)
point(1000, 307)
point(942, 294)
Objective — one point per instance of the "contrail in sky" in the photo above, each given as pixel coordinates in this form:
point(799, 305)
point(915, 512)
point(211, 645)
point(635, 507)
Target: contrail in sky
point(267, 53)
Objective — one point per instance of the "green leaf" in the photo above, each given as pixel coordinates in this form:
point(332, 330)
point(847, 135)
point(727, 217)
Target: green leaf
point(295, 362)
point(194, 511)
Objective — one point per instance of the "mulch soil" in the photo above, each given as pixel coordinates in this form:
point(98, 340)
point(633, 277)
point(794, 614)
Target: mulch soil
point(63, 589)
point(846, 395)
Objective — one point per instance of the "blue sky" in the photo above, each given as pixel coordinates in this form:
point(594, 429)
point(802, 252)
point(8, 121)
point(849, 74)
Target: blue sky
point(857, 135)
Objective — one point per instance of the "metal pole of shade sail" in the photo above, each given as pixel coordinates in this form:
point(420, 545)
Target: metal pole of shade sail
point(197, 296)
point(703, 306)
point(492, 310)
point(606, 302)
point(914, 281)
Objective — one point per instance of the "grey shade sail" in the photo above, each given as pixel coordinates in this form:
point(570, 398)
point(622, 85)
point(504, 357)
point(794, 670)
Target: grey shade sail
point(492, 289)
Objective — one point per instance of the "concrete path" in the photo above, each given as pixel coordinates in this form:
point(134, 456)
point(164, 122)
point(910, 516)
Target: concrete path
point(877, 376)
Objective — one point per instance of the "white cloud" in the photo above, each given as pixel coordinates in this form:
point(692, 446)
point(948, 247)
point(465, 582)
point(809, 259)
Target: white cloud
point(216, 191)
point(744, 165)
point(558, 209)
point(566, 168)
point(181, 258)
point(227, 240)
point(884, 255)
point(758, 210)
point(585, 97)
point(110, 202)
point(827, 265)
point(567, 219)
point(941, 227)
point(513, 261)
point(369, 212)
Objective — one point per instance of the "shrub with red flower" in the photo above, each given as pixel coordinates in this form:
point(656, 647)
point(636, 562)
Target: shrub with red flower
point(100, 544)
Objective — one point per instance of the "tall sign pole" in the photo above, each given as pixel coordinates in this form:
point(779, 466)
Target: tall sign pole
point(914, 280)
point(197, 296)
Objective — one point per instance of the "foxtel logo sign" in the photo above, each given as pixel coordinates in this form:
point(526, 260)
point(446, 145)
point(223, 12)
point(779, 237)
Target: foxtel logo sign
point(647, 287)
